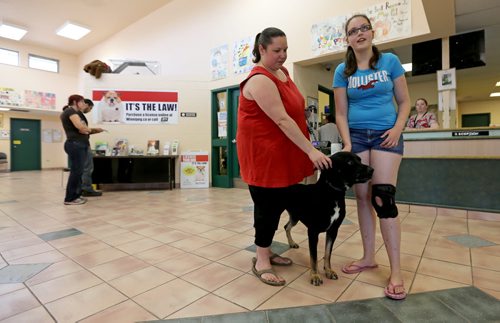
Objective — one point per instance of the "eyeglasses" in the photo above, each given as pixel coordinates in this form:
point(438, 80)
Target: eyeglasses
point(354, 31)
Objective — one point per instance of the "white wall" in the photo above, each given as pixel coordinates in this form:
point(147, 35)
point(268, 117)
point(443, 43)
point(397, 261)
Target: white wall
point(181, 34)
point(22, 78)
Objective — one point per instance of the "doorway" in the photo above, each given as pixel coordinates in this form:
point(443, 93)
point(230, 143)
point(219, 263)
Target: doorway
point(326, 102)
point(25, 144)
point(225, 166)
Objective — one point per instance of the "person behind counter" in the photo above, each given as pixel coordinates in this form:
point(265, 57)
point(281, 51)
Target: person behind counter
point(87, 189)
point(274, 150)
point(423, 118)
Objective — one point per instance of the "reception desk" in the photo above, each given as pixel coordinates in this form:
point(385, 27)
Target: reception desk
point(455, 168)
point(134, 172)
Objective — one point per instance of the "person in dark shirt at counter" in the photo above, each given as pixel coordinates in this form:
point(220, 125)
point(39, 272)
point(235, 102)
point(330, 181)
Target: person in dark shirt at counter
point(88, 168)
point(423, 119)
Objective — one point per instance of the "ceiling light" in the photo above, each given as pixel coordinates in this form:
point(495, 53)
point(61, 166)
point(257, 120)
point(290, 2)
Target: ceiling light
point(11, 31)
point(498, 84)
point(495, 94)
point(4, 109)
point(72, 30)
point(408, 67)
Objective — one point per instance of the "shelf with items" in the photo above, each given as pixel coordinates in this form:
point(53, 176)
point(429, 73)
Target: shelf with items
point(23, 109)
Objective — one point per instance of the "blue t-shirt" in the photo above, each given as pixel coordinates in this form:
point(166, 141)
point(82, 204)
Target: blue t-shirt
point(370, 93)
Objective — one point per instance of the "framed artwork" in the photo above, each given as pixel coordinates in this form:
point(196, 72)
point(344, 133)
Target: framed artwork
point(446, 79)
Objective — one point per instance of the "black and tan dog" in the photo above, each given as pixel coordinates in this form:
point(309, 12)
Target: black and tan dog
point(328, 212)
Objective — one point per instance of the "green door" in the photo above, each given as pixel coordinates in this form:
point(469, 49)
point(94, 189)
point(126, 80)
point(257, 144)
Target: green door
point(235, 165)
point(25, 144)
point(224, 157)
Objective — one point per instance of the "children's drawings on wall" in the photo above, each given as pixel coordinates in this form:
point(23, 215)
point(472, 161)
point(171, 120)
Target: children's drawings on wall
point(242, 56)
point(39, 100)
point(390, 20)
point(219, 62)
point(328, 36)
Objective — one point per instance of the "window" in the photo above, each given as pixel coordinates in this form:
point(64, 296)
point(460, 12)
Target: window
point(43, 63)
point(8, 56)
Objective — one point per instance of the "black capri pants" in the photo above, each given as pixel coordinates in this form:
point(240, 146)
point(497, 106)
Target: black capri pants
point(269, 204)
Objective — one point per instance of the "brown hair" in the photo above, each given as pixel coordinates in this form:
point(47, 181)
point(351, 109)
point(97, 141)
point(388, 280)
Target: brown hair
point(265, 38)
point(422, 100)
point(351, 64)
point(73, 99)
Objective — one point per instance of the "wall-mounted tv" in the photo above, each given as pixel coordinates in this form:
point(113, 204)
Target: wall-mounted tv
point(426, 57)
point(467, 50)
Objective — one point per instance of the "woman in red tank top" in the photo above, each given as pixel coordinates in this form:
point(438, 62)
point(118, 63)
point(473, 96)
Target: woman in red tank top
point(274, 150)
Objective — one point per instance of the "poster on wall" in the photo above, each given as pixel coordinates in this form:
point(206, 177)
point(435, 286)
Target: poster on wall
point(328, 36)
point(39, 100)
point(390, 20)
point(9, 97)
point(242, 56)
point(219, 62)
point(115, 106)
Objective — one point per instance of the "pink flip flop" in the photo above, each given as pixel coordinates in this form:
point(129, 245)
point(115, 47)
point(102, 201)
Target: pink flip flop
point(357, 268)
point(390, 292)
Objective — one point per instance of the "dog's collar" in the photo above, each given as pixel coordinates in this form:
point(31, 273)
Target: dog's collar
point(334, 187)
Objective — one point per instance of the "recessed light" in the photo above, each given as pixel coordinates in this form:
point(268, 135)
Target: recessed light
point(498, 83)
point(494, 94)
point(11, 31)
point(408, 67)
point(72, 30)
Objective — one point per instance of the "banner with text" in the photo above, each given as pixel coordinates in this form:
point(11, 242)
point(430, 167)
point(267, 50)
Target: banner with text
point(136, 107)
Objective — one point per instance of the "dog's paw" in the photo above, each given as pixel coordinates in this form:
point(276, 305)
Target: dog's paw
point(331, 274)
point(316, 279)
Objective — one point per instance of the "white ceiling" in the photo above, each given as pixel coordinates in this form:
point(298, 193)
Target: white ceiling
point(106, 17)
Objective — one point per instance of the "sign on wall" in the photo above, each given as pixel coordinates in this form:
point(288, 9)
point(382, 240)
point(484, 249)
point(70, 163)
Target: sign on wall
point(136, 107)
point(39, 100)
point(218, 62)
point(389, 19)
point(242, 55)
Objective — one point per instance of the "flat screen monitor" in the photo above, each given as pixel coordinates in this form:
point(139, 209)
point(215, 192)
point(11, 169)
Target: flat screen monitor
point(467, 50)
point(426, 57)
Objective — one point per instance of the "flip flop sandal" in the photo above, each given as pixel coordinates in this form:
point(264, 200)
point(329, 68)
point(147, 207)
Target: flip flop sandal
point(390, 292)
point(259, 274)
point(357, 268)
point(288, 261)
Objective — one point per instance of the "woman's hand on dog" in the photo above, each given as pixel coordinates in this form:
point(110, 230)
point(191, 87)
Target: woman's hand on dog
point(320, 160)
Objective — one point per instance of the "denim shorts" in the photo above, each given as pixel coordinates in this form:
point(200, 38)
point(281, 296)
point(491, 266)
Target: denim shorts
point(367, 139)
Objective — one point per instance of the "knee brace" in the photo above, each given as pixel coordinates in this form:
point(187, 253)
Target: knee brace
point(384, 201)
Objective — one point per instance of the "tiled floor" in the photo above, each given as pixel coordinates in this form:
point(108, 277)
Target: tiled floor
point(159, 255)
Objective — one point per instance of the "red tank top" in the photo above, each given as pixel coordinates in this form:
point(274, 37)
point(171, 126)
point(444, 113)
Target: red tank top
point(267, 157)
